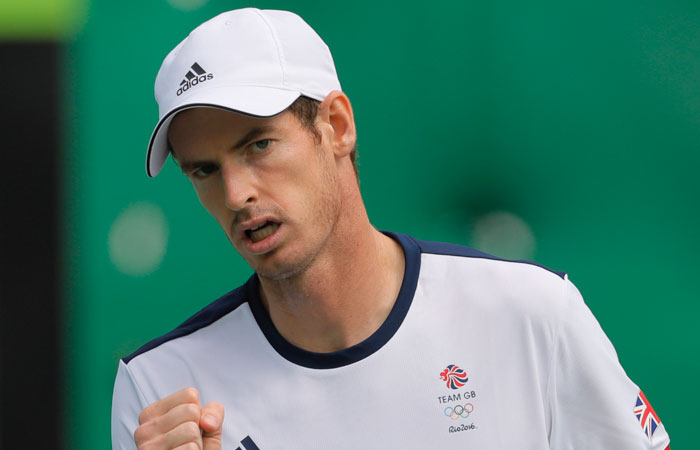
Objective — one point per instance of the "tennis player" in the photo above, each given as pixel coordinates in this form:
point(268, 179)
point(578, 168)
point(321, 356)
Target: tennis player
point(347, 337)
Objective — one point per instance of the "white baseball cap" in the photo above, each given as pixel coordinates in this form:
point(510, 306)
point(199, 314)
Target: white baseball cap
point(250, 61)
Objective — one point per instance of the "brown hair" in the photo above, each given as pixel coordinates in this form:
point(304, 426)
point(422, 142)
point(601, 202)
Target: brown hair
point(305, 110)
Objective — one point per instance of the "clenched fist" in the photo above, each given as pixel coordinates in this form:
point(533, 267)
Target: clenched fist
point(178, 421)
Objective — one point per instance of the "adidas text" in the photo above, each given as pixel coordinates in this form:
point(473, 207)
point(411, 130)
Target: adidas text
point(194, 82)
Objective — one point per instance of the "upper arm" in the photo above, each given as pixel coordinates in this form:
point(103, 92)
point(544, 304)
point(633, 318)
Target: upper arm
point(127, 403)
point(591, 398)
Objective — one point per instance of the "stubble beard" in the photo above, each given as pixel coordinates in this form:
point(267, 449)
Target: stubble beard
point(327, 208)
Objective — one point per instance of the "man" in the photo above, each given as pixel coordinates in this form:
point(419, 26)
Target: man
point(346, 337)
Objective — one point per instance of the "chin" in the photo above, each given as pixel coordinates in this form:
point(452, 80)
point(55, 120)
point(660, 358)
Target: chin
point(281, 270)
point(278, 275)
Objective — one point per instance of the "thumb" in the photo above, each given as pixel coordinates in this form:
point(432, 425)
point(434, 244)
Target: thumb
point(212, 422)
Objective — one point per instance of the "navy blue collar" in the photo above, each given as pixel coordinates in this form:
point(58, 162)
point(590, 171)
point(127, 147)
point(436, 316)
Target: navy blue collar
point(359, 351)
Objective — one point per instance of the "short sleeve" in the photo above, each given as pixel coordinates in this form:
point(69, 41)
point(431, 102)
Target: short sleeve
point(127, 404)
point(593, 404)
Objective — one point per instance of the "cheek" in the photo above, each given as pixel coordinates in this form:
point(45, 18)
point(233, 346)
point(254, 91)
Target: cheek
point(212, 201)
point(305, 186)
point(321, 188)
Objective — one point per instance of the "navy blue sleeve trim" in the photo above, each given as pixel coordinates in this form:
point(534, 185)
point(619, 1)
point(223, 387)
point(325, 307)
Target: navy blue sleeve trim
point(441, 248)
point(210, 314)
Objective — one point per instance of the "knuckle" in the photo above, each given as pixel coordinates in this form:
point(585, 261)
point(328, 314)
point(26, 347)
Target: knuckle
point(158, 442)
point(144, 416)
point(146, 446)
point(191, 394)
point(145, 439)
point(191, 429)
point(192, 411)
point(141, 434)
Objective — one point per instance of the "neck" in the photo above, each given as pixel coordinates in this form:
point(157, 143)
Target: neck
point(345, 295)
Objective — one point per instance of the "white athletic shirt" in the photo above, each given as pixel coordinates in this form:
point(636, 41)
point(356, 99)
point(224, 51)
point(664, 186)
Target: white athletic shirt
point(477, 353)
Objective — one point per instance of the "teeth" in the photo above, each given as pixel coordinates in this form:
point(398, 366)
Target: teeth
point(263, 231)
point(258, 227)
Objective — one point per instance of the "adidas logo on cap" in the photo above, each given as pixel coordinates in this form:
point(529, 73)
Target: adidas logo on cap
point(192, 79)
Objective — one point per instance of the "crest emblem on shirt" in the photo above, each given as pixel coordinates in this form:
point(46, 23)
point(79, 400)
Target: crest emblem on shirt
point(454, 377)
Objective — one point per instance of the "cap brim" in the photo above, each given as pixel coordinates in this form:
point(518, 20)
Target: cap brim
point(252, 101)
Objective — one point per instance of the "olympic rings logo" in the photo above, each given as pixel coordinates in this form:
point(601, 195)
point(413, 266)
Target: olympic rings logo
point(458, 411)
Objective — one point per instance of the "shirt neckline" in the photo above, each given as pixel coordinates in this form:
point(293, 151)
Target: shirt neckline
point(359, 351)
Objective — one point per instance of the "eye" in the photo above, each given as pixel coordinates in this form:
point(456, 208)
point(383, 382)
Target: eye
point(261, 145)
point(204, 171)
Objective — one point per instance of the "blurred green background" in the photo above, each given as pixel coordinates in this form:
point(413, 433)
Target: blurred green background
point(560, 131)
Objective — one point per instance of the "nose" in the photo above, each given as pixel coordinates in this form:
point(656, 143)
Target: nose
point(239, 189)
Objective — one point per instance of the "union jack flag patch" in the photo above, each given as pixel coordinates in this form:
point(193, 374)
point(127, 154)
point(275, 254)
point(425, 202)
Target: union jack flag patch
point(646, 415)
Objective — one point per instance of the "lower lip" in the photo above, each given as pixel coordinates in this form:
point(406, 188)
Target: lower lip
point(266, 245)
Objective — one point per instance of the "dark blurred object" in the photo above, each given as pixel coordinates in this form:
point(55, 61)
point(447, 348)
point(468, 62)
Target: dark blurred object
point(30, 312)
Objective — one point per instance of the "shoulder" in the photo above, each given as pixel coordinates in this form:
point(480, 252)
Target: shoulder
point(206, 317)
point(460, 251)
point(467, 278)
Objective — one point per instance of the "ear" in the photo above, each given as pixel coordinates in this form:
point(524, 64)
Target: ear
point(337, 123)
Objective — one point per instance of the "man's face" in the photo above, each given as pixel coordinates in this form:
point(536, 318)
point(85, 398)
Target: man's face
point(271, 187)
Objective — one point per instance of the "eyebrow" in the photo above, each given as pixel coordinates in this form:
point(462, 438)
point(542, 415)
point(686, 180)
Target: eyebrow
point(251, 135)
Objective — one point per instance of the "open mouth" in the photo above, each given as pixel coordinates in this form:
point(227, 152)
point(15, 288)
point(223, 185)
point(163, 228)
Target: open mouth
point(262, 231)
